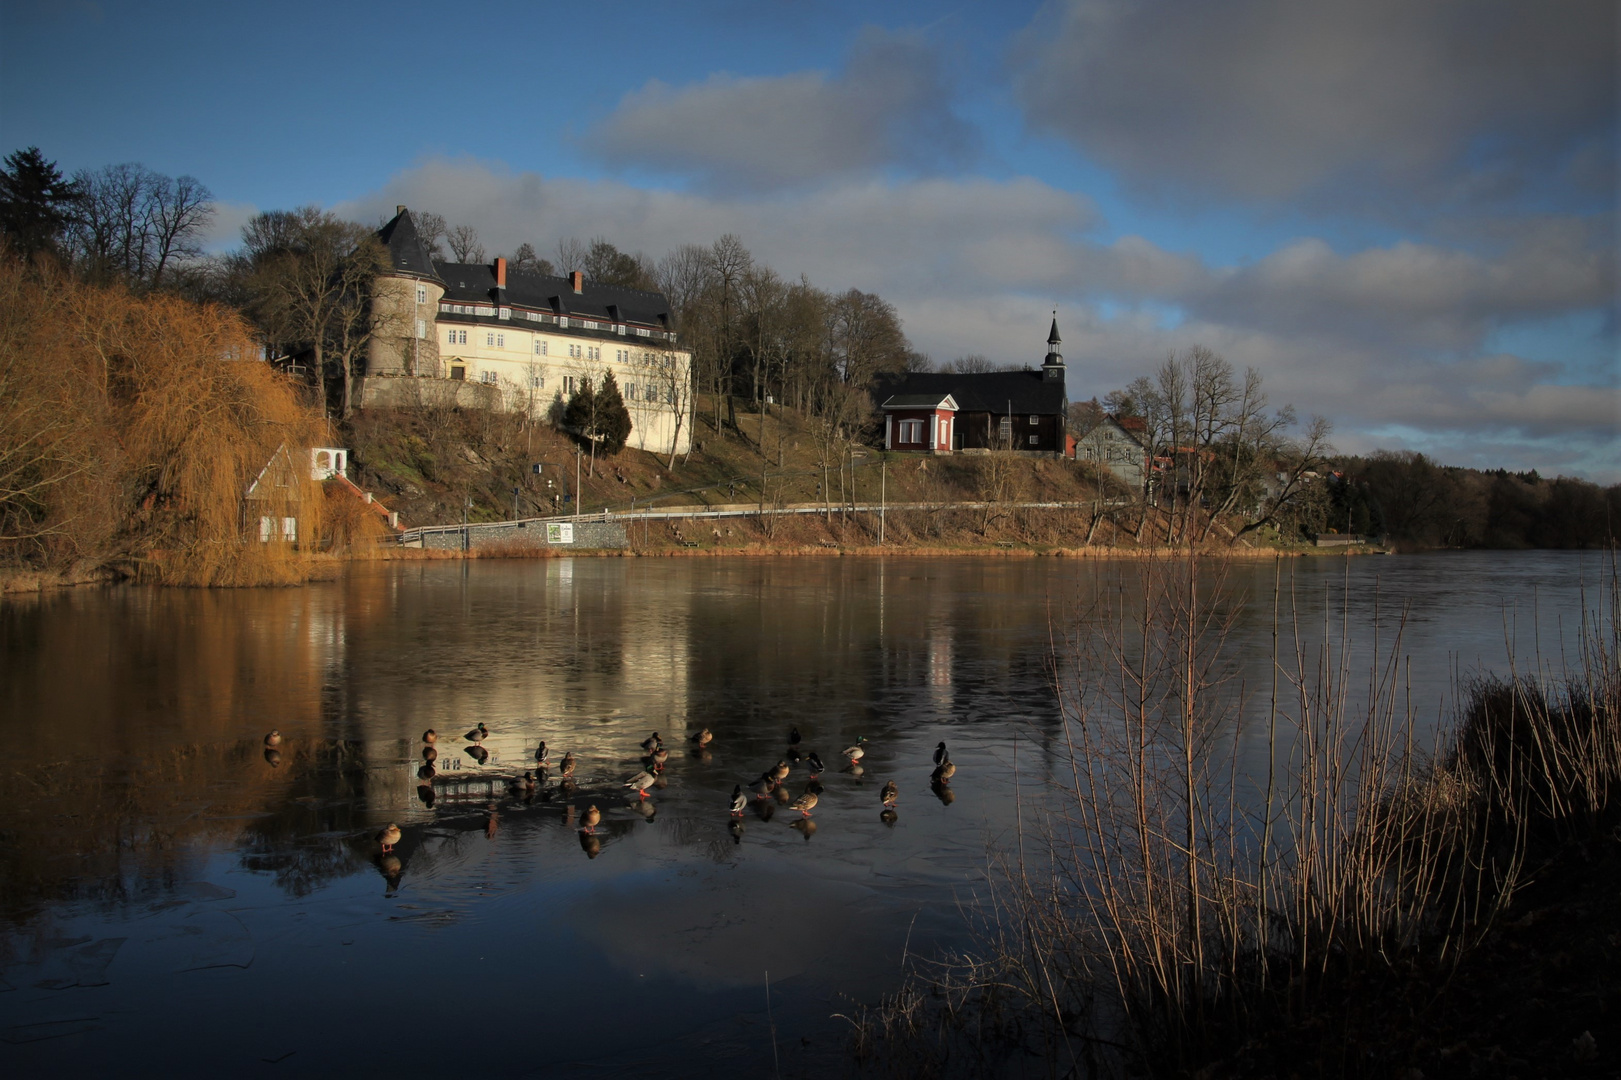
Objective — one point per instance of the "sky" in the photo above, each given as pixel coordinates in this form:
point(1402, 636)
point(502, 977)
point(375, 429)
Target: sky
point(1403, 215)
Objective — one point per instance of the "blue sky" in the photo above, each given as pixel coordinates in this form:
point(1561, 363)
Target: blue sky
point(1403, 215)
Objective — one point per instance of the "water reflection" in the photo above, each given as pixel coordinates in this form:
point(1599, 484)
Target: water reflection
point(170, 779)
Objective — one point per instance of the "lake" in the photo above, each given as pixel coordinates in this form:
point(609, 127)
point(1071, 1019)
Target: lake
point(175, 899)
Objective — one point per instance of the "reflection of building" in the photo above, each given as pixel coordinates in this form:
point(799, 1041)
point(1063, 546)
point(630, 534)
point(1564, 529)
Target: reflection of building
point(521, 341)
point(940, 412)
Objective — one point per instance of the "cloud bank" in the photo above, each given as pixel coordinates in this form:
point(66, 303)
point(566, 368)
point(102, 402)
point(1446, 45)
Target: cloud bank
point(1448, 102)
point(889, 107)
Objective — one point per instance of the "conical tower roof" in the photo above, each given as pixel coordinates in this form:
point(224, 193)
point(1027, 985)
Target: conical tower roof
point(407, 254)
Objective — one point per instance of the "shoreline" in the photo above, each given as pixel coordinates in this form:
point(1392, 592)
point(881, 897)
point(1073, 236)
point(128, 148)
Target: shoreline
point(328, 567)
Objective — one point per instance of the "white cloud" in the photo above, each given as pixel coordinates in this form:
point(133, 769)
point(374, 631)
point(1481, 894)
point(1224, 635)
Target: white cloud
point(889, 107)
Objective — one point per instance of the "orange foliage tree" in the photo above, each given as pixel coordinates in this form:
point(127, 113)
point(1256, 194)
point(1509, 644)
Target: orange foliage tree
point(132, 427)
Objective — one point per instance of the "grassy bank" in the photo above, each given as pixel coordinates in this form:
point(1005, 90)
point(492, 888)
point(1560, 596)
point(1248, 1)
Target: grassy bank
point(1369, 907)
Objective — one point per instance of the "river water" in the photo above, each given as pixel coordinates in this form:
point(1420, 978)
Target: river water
point(174, 896)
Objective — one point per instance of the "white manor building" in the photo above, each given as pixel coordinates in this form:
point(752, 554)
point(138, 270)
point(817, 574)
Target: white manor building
point(522, 341)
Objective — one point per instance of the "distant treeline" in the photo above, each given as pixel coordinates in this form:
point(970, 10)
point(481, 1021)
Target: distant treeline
point(1418, 503)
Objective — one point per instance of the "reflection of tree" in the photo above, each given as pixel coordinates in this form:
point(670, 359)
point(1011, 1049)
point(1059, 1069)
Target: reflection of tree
point(304, 839)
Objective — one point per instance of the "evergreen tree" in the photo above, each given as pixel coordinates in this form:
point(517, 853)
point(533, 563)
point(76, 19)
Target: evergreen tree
point(36, 203)
point(580, 414)
point(613, 419)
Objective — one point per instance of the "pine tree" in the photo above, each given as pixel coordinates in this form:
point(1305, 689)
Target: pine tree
point(36, 204)
point(580, 414)
point(613, 419)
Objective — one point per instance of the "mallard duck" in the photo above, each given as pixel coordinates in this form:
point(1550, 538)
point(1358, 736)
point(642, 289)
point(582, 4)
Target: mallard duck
point(430, 736)
point(477, 734)
point(651, 743)
point(805, 803)
point(890, 794)
point(273, 739)
point(793, 736)
point(940, 754)
point(762, 787)
point(815, 763)
point(389, 837)
point(590, 818)
point(641, 782)
point(943, 772)
point(739, 801)
point(543, 756)
point(857, 752)
point(658, 757)
point(703, 738)
point(567, 768)
point(779, 772)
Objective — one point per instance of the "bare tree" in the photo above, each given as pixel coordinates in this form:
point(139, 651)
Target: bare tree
point(464, 245)
point(133, 223)
point(526, 259)
point(431, 230)
point(309, 276)
point(571, 255)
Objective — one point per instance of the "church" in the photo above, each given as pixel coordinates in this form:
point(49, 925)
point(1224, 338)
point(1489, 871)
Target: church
point(936, 412)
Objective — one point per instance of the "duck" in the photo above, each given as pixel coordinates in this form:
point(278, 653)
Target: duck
point(856, 752)
point(427, 771)
point(658, 757)
point(430, 736)
point(941, 756)
point(762, 787)
point(890, 795)
point(793, 736)
point(529, 781)
point(478, 734)
point(389, 837)
point(567, 768)
point(273, 757)
point(805, 803)
point(703, 738)
point(543, 756)
point(273, 739)
point(651, 743)
point(430, 753)
point(641, 782)
point(779, 772)
point(590, 818)
point(815, 762)
point(739, 800)
point(943, 772)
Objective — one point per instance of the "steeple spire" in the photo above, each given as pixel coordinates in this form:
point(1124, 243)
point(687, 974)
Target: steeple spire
point(1053, 366)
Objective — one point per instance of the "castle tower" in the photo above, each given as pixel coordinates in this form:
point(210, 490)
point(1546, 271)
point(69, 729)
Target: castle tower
point(405, 299)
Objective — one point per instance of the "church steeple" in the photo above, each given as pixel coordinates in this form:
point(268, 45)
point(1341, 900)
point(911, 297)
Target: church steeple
point(1053, 366)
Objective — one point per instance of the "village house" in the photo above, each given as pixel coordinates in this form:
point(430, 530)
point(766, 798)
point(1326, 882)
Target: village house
point(945, 412)
point(488, 336)
point(1115, 443)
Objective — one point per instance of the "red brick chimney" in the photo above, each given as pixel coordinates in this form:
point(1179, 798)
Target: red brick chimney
point(577, 280)
point(500, 272)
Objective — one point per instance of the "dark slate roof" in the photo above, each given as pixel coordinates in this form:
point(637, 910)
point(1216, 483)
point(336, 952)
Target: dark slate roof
point(474, 283)
point(918, 401)
point(405, 248)
point(992, 391)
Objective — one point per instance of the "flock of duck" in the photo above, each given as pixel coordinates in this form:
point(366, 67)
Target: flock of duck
point(771, 784)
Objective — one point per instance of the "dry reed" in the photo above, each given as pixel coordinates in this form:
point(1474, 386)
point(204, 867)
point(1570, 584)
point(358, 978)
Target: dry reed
point(1166, 907)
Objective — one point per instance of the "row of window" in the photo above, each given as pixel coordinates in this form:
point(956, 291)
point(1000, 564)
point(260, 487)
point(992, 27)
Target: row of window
point(542, 347)
point(562, 321)
point(633, 391)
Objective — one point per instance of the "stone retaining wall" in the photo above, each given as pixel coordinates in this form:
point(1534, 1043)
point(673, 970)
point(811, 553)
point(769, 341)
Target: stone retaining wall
point(590, 535)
